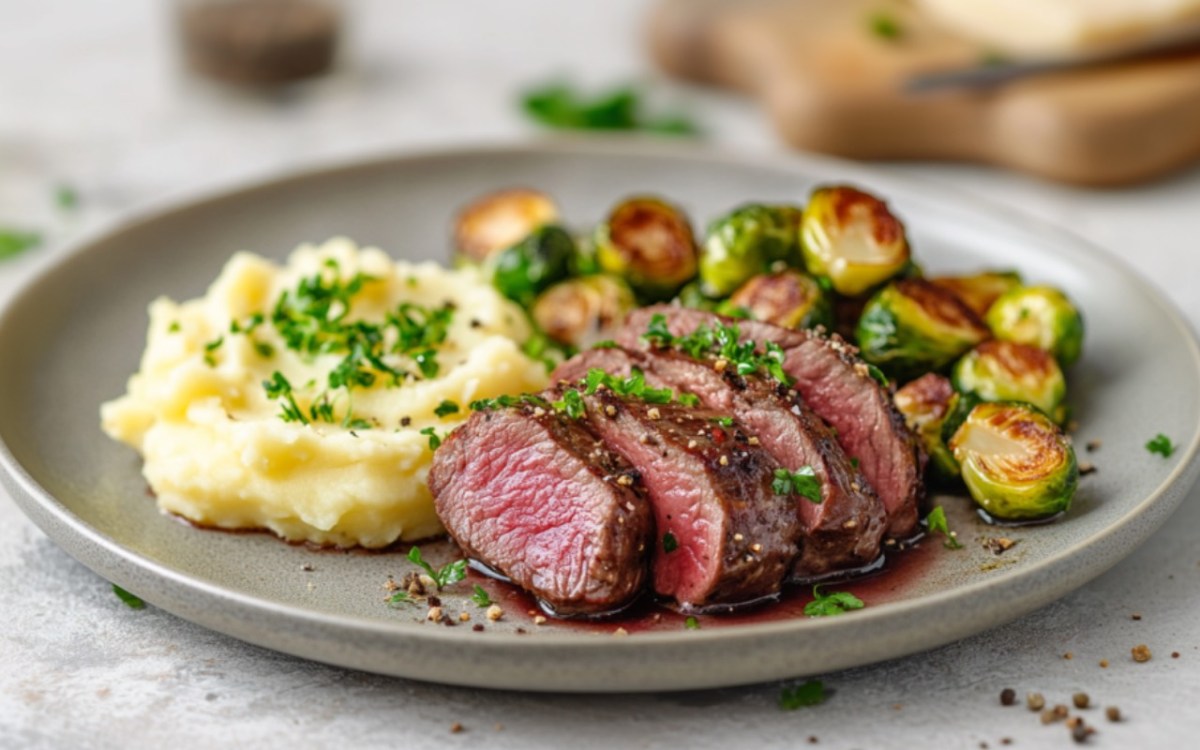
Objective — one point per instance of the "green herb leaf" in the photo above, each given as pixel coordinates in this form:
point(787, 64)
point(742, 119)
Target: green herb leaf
point(506, 401)
point(15, 241)
point(559, 106)
point(435, 442)
point(670, 543)
point(835, 603)
point(810, 693)
point(691, 623)
point(1162, 445)
point(174, 327)
point(606, 344)
point(802, 482)
point(571, 404)
point(885, 26)
point(132, 601)
point(210, 350)
point(400, 597)
point(722, 342)
point(724, 421)
point(936, 521)
point(689, 399)
point(448, 574)
point(446, 408)
point(877, 375)
point(854, 462)
point(280, 388)
point(480, 597)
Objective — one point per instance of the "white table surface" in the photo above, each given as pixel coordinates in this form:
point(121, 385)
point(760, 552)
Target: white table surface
point(90, 96)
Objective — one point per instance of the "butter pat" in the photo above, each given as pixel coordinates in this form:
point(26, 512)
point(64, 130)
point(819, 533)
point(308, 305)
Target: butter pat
point(1057, 27)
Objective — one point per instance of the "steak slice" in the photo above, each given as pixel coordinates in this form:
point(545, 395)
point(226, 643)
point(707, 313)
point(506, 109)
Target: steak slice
point(845, 530)
point(723, 536)
point(535, 496)
point(837, 385)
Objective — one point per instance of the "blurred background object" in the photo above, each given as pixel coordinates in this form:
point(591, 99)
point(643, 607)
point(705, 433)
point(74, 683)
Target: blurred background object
point(835, 76)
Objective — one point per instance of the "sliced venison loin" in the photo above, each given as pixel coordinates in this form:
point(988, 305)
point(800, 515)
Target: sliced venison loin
point(838, 387)
point(534, 495)
point(723, 537)
point(845, 530)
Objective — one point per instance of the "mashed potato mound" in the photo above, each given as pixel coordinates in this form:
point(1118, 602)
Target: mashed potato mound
point(322, 464)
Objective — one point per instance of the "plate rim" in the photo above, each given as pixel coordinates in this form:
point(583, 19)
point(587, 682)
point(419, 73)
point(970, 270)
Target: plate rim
point(67, 529)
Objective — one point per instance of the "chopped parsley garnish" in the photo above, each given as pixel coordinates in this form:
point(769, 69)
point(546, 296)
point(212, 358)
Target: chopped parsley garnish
point(279, 387)
point(446, 408)
point(133, 602)
point(174, 327)
point(670, 543)
point(877, 375)
point(691, 623)
point(557, 105)
point(571, 404)
point(936, 520)
point(506, 401)
point(722, 342)
point(480, 597)
point(435, 442)
point(809, 693)
point(1162, 445)
point(835, 603)
point(606, 344)
point(854, 462)
point(633, 386)
point(15, 241)
point(724, 421)
point(400, 597)
point(885, 26)
point(448, 574)
point(802, 482)
point(689, 399)
point(265, 350)
point(210, 350)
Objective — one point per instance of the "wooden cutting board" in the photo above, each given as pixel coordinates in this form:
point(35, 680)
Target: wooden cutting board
point(832, 85)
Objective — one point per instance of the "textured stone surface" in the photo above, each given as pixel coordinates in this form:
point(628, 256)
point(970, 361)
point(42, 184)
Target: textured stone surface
point(91, 97)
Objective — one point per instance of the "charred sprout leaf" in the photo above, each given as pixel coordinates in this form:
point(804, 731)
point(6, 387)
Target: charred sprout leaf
point(447, 575)
point(526, 269)
point(742, 244)
point(810, 693)
point(480, 597)
point(500, 220)
point(559, 106)
point(133, 602)
point(911, 327)
point(649, 243)
point(446, 408)
point(435, 441)
point(802, 482)
point(1008, 371)
point(1040, 316)
point(925, 404)
point(1162, 445)
point(788, 298)
point(852, 238)
point(691, 623)
point(979, 291)
point(885, 26)
point(834, 603)
point(15, 241)
point(1016, 463)
point(577, 312)
point(936, 521)
point(669, 542)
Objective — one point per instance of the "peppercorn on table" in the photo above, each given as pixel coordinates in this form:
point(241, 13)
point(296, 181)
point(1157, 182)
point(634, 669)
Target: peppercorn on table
point(99, 119)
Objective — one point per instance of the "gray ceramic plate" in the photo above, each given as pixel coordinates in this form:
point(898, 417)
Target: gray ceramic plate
point(70, 339)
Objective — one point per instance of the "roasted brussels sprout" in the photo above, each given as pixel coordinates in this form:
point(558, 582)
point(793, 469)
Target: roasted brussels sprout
point(911, 327)
point(1016, 463)
point(925, 402)
point(979, 291)
point(580, 312)
point(527, 268)
point(650, 244)
point(1040, 316)
point(787, 298)
point(498, 221)
point(852, 238)
point(742, 244)
point(1008, 371)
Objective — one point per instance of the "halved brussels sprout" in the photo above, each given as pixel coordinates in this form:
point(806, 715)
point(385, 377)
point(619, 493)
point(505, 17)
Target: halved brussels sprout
point(911, 327)
point(649, 243)
point(1016, 463)
point(523, 271)
point(742, 244)
point(580, 312)
point(788, 298)
point(1008, 371)
point(1040, 316)
point(500, 220)
point(980, 290)
point(852, 238)
point(925, 402)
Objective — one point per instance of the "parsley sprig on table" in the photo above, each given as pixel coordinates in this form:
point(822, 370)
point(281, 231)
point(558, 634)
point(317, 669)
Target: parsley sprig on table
point(810, 693)
point(557, 105)
point(722, 342)
point(448, 574)
point(1161, 444)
